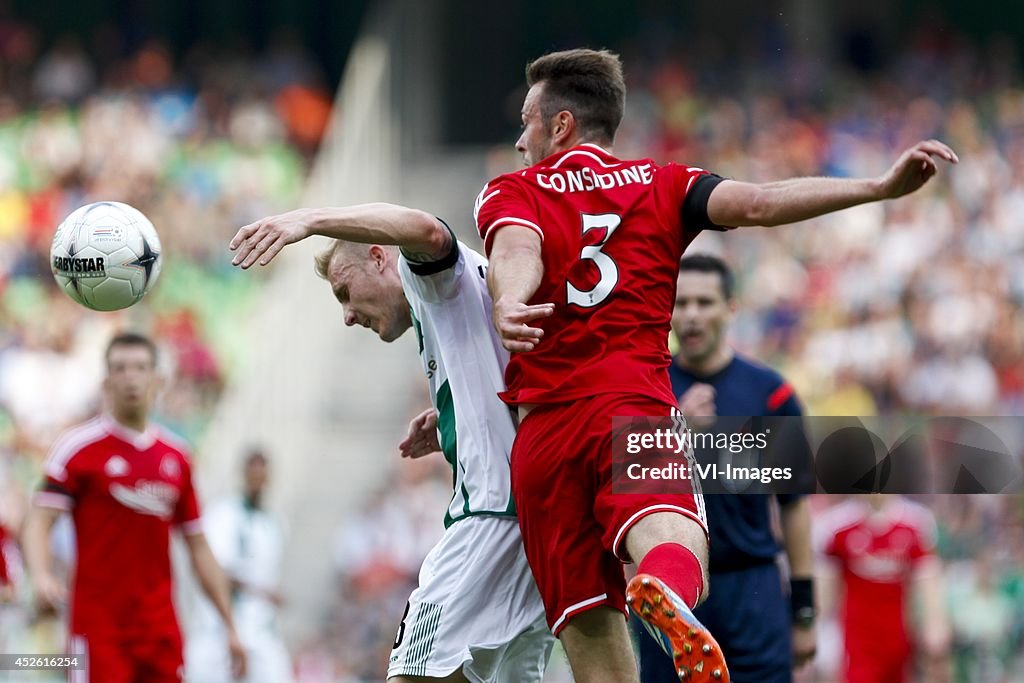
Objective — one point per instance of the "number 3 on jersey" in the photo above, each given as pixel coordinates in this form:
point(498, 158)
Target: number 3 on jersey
point(605, 265)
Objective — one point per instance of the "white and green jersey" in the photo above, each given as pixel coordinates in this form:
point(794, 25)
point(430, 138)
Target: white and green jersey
point(465, 365)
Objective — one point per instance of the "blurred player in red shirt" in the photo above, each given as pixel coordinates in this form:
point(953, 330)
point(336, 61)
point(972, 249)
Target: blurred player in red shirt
point(6, 589)
point(883, 548)
point(126, 482)
point(600, 238)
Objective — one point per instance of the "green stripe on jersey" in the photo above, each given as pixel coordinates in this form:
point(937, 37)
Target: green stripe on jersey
point(419, 329)
point(446, 424)
point(449, 437)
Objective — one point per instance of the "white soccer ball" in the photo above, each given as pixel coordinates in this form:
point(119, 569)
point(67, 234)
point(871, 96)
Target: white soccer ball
point(106, 255)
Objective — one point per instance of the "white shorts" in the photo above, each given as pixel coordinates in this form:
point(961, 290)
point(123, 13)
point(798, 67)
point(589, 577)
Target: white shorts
point(476, 609)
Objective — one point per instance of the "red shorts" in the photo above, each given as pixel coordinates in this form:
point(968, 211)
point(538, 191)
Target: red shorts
point(878, 665)
point(573, 524)
point(112, 659)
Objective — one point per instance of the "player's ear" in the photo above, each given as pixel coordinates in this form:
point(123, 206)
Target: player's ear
point(563, 127)
point(378, 257)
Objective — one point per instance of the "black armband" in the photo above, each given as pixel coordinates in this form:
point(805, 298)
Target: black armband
point(695, 206)
point(444, 263)
point(801, 601)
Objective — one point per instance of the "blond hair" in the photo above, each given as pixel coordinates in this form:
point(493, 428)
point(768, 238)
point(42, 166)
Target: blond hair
point(344, 251)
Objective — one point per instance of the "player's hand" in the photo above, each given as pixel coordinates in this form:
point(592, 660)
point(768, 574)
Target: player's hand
point(239, 660)
point(698, 406)
point(266, 237)
point(50, 594)
point(914, 167)
point(805, 645)
point(6, 593)
point(510, 318)
point(422, 437)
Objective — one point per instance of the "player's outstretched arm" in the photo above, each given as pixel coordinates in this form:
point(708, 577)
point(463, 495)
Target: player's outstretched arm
point(514, 274)
point(421, 236)
point(737, 204)
point(215, 585)
point(49, 592)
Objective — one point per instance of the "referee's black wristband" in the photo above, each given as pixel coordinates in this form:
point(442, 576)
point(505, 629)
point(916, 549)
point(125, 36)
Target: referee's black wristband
point(801, 601)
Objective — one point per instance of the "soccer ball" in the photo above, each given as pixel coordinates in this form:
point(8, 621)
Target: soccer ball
point(106, 256)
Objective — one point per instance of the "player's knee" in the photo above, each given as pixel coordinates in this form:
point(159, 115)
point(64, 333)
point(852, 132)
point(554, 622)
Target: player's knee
point(593, 624)
point(667, 527)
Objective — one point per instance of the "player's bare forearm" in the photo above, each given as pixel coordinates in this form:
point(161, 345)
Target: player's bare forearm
point(737, 204)
point(212, 579)
point(929, 590)
point(796, 532)
point(421, 236)
point(35, 539)
point(515, 266)
point(787, 201)
point(50, 592)
point(513, 276)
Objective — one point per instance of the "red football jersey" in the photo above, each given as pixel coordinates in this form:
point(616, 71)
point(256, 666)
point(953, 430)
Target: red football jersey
point(613, 233)
point(124, 489)
point(878, 554)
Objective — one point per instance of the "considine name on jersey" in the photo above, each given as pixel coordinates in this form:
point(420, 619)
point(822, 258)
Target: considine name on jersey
point(586, 179)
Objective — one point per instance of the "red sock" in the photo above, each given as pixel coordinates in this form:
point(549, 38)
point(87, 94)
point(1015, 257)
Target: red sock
point(678, 568)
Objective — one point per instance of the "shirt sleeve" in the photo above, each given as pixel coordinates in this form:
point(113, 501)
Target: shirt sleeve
point(186, 512)
point(433, 281)
point(782, 401)
point(504, 202)
point(695, 185)
point(63, 478)
point(925, 538)
point(825, 536)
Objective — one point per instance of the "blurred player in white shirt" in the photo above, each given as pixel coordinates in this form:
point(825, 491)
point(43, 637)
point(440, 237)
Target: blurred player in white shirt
point(249, 544)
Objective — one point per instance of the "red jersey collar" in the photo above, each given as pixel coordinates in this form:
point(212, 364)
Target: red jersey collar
point(141, 440)
point(581, 152)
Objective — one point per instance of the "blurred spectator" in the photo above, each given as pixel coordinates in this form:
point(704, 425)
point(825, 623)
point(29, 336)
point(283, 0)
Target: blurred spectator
point(64, 73)
point(249, 543)
point(982, 622)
